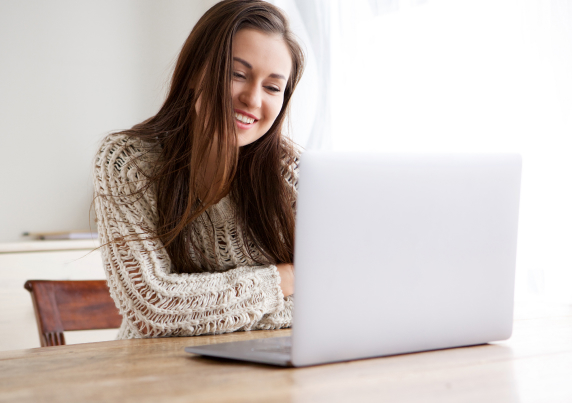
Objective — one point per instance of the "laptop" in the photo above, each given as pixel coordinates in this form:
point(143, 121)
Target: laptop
point(396, 253)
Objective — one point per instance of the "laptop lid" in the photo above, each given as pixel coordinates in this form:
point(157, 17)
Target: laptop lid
point(402, 253)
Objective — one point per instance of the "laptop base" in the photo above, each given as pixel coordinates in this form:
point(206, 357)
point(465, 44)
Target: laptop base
point(273, 350)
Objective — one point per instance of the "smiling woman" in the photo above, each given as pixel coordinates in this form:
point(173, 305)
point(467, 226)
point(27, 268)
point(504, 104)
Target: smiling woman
point(195, 205)
point(261, 63)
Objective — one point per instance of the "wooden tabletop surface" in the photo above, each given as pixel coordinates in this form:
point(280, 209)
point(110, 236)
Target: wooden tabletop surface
point(535, 365)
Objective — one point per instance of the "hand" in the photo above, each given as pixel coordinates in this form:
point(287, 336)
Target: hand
point(286, 272)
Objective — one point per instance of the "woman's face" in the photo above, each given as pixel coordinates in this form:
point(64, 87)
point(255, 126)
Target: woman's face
point(261, 67)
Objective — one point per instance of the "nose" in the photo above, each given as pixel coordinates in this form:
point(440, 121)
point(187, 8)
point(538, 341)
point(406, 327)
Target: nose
point(251, 96)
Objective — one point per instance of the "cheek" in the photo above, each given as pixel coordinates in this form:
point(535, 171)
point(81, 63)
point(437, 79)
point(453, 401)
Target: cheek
point(234, 90)
point(274, 108)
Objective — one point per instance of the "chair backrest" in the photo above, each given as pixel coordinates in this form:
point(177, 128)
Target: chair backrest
point(71, 305)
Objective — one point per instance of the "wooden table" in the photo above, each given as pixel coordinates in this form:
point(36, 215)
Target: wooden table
point(535, 365)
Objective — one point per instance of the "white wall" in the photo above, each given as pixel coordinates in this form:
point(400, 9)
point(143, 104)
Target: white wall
point(71, 71)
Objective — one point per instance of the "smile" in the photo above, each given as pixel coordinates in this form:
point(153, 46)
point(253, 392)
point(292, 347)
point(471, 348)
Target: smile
point(243, 119)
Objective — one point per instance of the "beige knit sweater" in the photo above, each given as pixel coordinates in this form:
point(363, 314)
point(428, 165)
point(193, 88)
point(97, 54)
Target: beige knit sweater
point(153, 299)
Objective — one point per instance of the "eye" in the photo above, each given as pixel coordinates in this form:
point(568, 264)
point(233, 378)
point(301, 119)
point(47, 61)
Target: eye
point(238, 75)
point(273, 89)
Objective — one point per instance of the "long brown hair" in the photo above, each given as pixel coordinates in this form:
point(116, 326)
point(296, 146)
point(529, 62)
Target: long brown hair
point(254, 175)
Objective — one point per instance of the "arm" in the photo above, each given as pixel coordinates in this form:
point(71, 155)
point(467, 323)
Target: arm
point(278, 319)
point(155, 301)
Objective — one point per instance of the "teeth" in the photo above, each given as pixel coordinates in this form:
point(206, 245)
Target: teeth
point(243, 119)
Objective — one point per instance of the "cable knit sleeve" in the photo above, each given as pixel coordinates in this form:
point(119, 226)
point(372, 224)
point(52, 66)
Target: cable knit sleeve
point(153, 300)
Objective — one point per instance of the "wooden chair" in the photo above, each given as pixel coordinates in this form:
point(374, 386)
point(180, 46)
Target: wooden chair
point(71, 305)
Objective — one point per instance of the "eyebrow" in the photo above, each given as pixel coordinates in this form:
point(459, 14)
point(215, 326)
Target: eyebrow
point(249, 66)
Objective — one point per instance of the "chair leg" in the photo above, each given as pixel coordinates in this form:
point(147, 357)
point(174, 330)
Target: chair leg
point(47, 313)
point(50, 339)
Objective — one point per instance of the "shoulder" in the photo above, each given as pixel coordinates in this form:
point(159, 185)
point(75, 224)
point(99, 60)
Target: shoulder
point(123, 165)
point(119, 150)
point(126, 157)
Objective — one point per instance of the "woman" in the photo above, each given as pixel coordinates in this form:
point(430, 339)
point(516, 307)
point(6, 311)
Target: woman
point(195, 205)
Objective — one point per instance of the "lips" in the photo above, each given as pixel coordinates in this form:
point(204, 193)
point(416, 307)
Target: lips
point(244, 120)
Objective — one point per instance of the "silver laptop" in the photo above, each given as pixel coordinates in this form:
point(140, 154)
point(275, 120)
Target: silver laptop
point(396, 253)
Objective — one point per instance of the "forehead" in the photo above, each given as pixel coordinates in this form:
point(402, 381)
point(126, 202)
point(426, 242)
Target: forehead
point(267, 53)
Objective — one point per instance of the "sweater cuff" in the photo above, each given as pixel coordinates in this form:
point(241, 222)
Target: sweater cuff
point(270, 286)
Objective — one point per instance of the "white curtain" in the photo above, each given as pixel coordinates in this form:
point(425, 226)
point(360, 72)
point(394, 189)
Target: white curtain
point(310, 118)
point(455, 76)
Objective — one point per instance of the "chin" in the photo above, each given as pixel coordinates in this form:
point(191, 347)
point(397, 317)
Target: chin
point(246, 140)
